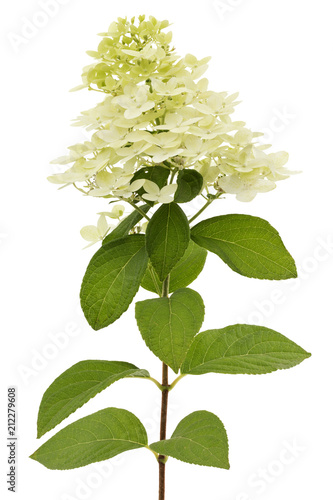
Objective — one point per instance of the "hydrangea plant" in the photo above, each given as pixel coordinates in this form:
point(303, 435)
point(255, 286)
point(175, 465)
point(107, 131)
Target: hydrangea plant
point(163, 143)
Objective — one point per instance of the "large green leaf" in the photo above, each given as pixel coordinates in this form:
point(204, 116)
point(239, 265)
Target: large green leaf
point(241, 349)
point(249, 245)
point(76, 386)
point(185, 271)
point(167, 238)
point(98, 437)
point(189, 186)
point(168, 325)
point(112, 279)
point(126, 225)
point(200, 438)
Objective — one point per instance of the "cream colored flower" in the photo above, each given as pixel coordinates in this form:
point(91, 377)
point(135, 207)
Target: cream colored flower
point(154, 193)
point(93, 234)
point(148, 52)
point(135, 100)
point(166, 146)
point(198, 67)
point(127, 190)
point(216, 103)
point(113, 136)
point(195, 148)
point(169, 88)
point(116, 212)
point(245, 186)
point(178, 123)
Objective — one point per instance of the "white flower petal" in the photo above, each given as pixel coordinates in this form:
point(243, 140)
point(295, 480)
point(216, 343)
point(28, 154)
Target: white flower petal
point(102, 225)
point(131, 113)
point(168, 190)
point(149, 197)
point(117, 211)
point(151, 188)
point(136, 185)
point(246, 196)
point(165, 199)
point(99, 192)
point(90, 233)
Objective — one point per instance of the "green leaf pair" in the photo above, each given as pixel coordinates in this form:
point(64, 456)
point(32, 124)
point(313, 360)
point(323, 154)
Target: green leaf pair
point(169, 327)
point(111, 431)
point(200, 438)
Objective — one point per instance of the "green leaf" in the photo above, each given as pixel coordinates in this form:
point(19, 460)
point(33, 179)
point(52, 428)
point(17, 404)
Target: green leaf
point(98, 437)
point(168, 325)
point(112, 279)
point(237, 349)
point(183, 274)
point(249, 245)
point(76, 386)
point(167, 238)
point(200, 438)
point(126, 225)
point(189, 185)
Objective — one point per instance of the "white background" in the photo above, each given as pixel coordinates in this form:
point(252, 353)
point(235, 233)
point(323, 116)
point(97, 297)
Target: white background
point(278, 54)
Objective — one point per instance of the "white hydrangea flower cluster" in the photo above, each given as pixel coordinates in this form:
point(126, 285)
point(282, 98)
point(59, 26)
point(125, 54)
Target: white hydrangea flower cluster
point(158, 110)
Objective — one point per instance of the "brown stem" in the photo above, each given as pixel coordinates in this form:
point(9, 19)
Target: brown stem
point(164, 410)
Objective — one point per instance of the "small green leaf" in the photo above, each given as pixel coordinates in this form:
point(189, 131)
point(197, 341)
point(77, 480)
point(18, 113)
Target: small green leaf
point(98, 437)
point(183, 274)
point(76, 386)
point(249, 245)
point(236, 349)
point(112, 279)
point(168, 325)
point(167, 238)
point(126, 225)
point(189, 186)
point(200, 438)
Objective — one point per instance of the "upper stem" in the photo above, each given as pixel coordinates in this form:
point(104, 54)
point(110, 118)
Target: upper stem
point(202, 209)
point(138, 209)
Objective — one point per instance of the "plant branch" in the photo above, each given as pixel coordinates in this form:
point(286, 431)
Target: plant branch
point(175, 382)
point(210, 200)
point(164, 410)
point(138, 209)
point(164, 413)
point(161, 388)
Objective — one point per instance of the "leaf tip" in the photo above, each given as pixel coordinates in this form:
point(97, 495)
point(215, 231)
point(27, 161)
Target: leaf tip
point(40, 431)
